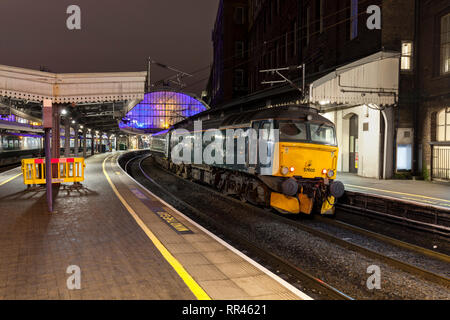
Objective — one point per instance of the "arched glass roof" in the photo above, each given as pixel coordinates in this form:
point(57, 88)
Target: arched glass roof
point(161, 109)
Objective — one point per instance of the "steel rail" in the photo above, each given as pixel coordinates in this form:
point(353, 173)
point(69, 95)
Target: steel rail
point(415, 224)
point(381, 237)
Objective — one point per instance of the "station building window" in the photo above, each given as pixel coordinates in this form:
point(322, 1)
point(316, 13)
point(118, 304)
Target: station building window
point(445, 44)
point(443, 125)
point(404, 157)
point(407, 54)
point(238, 78)
point(239, 49)
point(353, 19)
point(239, 15)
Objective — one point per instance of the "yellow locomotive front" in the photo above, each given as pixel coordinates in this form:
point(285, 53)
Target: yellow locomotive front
point(305, 159)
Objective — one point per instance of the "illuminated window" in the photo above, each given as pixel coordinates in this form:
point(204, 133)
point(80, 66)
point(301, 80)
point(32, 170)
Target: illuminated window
point(443, 125)
point(404, 157)
point(407, 53)
point(445, 44)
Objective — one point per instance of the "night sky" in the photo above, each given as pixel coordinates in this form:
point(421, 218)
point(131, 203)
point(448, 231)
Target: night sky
point(115, 35)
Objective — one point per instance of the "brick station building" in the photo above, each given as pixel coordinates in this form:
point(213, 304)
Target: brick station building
point(433, 79)
point(385, 89)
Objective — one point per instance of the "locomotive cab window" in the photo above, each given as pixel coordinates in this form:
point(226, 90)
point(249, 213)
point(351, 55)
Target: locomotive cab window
point(323, 133)
point(293, 131)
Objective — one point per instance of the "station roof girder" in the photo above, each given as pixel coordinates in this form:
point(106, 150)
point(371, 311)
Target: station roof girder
point(32, 85)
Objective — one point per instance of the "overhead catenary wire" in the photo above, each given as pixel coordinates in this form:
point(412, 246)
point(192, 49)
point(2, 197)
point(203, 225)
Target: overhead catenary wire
point(266, 42)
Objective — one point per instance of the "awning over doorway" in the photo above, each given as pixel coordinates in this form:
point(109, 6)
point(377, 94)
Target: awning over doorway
point(371, 80)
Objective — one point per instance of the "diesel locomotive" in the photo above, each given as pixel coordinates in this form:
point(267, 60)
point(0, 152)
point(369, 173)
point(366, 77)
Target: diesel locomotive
point(300, 176)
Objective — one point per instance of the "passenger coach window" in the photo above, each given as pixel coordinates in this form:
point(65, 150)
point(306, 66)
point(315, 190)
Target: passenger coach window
point(293, 131)
point(322, 133)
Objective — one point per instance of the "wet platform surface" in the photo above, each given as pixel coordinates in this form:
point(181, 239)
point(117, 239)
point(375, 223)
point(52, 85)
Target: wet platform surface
point(424, 192)
point(127, 244)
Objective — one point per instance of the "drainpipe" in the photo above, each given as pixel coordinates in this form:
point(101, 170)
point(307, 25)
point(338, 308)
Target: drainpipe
point(383, 112)
point(417, 94)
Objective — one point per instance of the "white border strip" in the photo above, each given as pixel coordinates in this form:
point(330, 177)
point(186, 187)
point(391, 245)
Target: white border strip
point(5, 172)
point(225, 244)
point(363, 190)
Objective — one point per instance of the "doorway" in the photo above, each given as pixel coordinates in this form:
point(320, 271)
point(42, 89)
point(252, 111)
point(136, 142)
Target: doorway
point(353, 135)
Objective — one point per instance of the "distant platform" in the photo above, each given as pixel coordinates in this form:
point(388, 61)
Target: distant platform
point(423, 192)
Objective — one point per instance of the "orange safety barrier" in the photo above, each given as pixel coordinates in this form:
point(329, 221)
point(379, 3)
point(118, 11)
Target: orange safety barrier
point(63, 170)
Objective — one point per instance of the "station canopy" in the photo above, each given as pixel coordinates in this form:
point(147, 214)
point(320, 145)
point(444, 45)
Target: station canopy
point(160, 110)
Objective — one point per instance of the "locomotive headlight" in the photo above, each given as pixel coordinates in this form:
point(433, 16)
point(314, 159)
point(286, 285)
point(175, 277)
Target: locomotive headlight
point(330, 174)
point(324, 171)
point(284, 171)
point(292, 169)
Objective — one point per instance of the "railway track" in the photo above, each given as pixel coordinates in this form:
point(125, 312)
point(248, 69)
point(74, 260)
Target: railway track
point(293, 272)
point(390, 240)
point(428, 218)
point(300, 274)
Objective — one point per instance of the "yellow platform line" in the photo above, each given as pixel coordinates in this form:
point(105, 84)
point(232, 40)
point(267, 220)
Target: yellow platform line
point(176, 265)
point(399, 193)
point(10, 179)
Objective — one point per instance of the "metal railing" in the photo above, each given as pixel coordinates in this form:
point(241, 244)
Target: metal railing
point(441, 162)
point(415, 215)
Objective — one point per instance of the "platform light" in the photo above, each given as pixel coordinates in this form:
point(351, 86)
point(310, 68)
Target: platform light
point(73, 121)
point(324, 102)
point(63, 111)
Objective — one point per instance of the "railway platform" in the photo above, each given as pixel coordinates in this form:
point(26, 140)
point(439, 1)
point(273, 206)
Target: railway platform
point(422, 192)
point(125, 242)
